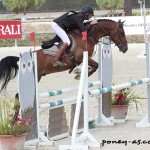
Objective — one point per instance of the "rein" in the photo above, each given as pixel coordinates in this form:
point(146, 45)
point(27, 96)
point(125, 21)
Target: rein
point(107, 34)
point(94, 30)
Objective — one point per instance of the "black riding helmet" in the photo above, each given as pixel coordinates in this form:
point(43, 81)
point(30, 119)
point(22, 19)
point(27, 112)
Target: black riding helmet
point(87, 9)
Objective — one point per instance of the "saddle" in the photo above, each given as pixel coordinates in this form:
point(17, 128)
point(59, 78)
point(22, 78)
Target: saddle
point(51, 47)
point(50, 43)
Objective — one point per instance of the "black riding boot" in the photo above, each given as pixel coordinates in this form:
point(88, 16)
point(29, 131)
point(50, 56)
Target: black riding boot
point(57, 61)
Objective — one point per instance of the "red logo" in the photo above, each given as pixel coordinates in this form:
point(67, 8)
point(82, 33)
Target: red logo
point(10, 30)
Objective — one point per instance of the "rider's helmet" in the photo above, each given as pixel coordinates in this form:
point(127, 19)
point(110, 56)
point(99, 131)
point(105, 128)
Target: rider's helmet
point(87, 9)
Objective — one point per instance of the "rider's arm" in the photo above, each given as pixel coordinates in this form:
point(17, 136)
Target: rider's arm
point(79, 19)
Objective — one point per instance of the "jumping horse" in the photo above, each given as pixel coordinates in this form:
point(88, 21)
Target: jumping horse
point(104, 27)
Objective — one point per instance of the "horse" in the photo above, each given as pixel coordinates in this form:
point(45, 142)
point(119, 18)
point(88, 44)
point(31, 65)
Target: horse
point(104, 27)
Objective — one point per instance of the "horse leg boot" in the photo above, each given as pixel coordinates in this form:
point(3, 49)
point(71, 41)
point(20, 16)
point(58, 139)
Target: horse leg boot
point(57, 61)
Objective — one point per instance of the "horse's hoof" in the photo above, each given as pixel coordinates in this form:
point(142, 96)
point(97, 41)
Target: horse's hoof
point(58, 63)
point(77, 71)
point(77, 77)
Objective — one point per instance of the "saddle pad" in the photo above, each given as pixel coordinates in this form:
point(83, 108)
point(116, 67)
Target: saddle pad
point(51, 51)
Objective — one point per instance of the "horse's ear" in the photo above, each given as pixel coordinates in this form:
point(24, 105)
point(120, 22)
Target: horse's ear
point(119, 21)
point(123, 22)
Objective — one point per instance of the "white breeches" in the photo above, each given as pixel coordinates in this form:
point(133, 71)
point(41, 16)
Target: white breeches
point(60, 32)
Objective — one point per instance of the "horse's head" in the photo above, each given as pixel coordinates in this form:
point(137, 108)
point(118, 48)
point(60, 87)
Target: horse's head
point(118, 36)
point(114, 30)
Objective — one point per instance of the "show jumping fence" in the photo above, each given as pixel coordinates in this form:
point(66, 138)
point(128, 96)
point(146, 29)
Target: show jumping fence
point(57, 126)
point(75, 141)
point(84, 95)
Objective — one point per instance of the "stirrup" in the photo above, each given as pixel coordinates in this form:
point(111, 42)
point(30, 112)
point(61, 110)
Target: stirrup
point(58, 63)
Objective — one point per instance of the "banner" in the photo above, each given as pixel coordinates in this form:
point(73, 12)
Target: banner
point(10, 30)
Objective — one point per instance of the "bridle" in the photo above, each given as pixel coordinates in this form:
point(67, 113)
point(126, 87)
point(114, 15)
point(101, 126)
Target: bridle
point(119, 43)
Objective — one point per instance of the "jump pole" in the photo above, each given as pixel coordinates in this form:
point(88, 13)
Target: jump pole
point(61, 102)
point(66, 90)
point(119, 86)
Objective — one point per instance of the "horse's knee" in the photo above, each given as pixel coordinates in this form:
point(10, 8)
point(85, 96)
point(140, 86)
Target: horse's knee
point(95, 67)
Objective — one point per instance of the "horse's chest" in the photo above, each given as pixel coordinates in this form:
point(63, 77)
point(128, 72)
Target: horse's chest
point(90, 51)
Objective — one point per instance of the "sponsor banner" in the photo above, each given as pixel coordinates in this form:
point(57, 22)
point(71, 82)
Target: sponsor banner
point(10, 30)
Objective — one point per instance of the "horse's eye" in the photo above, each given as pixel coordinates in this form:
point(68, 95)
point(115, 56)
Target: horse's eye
point(122, 34)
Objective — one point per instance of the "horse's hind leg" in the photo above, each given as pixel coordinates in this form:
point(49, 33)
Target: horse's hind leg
point(77, 71)
point(93, 66)
point(16, 107)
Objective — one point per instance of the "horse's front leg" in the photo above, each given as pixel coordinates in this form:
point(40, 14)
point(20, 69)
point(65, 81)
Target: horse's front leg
point(93, 65)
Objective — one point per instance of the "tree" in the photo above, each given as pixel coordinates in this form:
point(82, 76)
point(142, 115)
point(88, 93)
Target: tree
point(128, 7)
point(110, 5)
point(22, 5)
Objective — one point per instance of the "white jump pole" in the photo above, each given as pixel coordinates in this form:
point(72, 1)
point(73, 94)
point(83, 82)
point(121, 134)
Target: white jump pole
point(119, 86)
point(66, 90)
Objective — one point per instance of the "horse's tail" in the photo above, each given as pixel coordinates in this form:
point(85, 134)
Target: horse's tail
point(8, 70)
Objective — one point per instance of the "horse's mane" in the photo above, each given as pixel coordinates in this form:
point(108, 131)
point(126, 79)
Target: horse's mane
point(78, 32)
point(101, 20)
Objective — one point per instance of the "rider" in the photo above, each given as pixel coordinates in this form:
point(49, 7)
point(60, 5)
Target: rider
point(69, 21)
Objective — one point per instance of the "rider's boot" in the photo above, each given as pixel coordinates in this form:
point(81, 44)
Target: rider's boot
point(47, 42)
point(57, 61)
point(52, 41)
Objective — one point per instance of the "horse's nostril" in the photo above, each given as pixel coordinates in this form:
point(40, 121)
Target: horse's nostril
point(125, 50)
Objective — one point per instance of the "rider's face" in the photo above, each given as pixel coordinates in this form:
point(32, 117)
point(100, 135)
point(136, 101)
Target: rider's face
point(88, 16)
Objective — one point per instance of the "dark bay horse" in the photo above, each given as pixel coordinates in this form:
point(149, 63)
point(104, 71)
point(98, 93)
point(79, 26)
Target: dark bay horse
point(9, 67)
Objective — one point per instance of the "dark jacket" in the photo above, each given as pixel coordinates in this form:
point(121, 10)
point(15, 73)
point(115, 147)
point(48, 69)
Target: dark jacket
point(72, 20)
